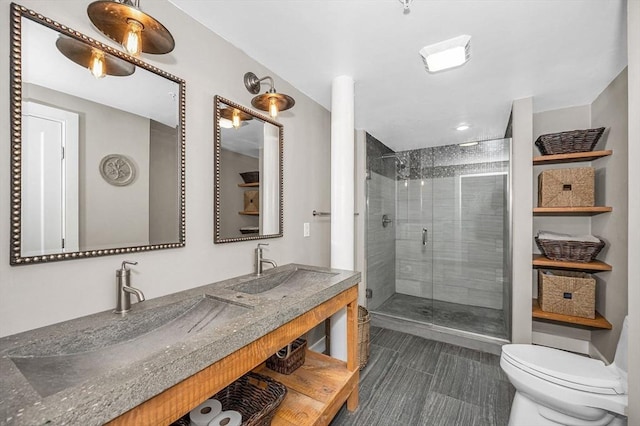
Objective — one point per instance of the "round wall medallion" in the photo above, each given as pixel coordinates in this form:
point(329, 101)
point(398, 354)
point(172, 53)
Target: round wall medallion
point(117, 170)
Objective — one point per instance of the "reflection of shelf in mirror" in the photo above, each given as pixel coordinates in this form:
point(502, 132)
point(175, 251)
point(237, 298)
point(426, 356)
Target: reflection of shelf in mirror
point(571, 211)
point(540, 261)
point(573, 157)
point(598, 322)
point(249, 185)
point(250, 213)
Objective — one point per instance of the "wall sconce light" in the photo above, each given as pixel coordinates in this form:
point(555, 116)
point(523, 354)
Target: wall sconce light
point(271, 100)
point(234, 118)
point(124, 22)
point(98, 62)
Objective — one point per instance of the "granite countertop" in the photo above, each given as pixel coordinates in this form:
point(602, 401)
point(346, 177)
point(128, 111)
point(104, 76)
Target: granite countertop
point(129, 376)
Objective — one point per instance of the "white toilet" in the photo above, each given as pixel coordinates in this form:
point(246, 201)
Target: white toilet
point(555, 387)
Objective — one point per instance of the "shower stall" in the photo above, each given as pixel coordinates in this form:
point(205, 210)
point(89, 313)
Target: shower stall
point(438, 236)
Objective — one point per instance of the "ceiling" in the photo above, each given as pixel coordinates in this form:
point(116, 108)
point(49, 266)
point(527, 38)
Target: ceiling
point(561, 52)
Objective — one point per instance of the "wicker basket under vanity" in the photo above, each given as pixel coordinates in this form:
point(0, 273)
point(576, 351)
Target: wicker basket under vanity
point(567, 293)
point(364, 341)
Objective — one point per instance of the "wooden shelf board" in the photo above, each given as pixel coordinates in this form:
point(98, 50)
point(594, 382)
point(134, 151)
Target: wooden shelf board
point(570, 158)
point(250, 213)
point(315, 391)
point(571, 211)
point(540, 261)
point(249, 185)
point(599, 321)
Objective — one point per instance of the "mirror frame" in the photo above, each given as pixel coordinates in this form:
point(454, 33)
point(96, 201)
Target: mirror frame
point(217, 238)
point(17, 13)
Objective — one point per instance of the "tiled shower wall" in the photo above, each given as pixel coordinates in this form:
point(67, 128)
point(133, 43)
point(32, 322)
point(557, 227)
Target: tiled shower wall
point(457, 195)
point(380, 241)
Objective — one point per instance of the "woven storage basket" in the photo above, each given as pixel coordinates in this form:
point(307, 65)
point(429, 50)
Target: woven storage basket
point(575, 251)
point(568, 293)
point(568, 142)
point(364, 342)
point(573, 187)
point(291, 363)
point(254, 396)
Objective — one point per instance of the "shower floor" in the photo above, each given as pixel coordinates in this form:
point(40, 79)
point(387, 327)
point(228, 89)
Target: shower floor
point(475, 319)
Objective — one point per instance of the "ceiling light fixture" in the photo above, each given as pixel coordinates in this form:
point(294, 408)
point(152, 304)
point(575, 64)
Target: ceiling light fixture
point(447, 54)
point(406, 4)
point(98, 62)
point(124, 22)
point(462, 127)
point(271, 100)
point(468, 144)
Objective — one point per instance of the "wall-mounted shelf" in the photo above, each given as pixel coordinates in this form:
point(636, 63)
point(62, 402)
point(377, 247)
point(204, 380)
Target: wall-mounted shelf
point(571, 211)
point(574, 157)
point(540, 261)
point(250, 213)
point(249, 185)
point(599, 322)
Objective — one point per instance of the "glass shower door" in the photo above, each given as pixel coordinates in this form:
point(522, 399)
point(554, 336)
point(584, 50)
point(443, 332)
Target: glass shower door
point(414, 237)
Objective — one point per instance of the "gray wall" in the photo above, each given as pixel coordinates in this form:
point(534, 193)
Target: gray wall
point(633, 49)
point(610, 109)
point(164, 188)
point(210, 66)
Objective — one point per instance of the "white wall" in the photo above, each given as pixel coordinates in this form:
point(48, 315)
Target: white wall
point(37, 295)
point(521, 193)
point(633, 46)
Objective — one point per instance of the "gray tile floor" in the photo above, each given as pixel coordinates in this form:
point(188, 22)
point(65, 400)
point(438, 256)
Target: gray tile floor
point(412, 381)
point(486, 321)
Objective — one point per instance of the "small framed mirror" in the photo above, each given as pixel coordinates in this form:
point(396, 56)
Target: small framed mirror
point(97, 144)
point(248, 174)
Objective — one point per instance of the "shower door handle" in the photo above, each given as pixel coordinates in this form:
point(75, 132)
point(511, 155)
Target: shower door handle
point(425, 236)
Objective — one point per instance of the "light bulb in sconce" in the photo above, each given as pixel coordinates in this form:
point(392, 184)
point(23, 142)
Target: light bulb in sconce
point(133, 38)
point(97, 64)
point(273, 107)
point(235, 118)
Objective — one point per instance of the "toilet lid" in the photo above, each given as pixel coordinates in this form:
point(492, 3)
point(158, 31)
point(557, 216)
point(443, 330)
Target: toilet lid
point(564, 368)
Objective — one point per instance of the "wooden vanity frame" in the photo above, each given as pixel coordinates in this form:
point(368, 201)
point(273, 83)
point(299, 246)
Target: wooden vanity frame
point(305, 403)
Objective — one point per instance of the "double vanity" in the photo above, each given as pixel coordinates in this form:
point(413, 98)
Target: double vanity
point(167, 355)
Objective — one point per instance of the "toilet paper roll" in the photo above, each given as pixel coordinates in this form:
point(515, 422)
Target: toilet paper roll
point(227, 418)
point(205, 412)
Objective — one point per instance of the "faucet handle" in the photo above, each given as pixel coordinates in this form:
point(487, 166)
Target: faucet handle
point(125, 263)
point(262, 244)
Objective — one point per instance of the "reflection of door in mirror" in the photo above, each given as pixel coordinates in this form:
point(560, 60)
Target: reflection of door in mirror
point(270, 191)
point(49, 180)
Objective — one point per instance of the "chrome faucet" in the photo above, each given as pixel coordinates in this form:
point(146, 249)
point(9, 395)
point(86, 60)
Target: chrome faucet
point(124, 289)
point(259, 260)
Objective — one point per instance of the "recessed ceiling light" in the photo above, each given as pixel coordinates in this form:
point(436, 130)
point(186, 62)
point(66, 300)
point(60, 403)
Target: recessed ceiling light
point(468, 144)
point(447, 54)
point(462, 127)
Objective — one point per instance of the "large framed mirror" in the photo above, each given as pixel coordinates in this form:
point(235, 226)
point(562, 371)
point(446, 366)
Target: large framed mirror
point(248, 174)
point(97, 163)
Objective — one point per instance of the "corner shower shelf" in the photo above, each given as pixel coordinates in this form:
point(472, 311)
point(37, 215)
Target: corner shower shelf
point(574, 157)
point(571, 211)
point(599, 322)
point(540, 261)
